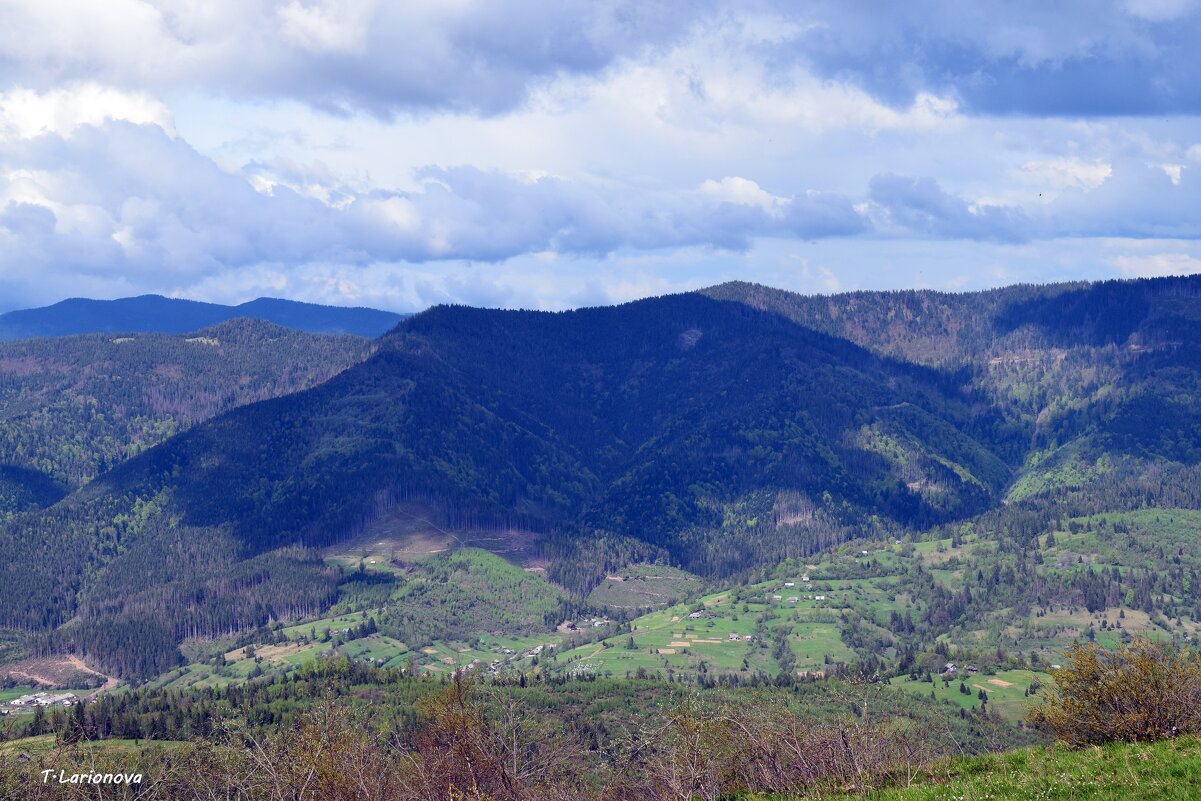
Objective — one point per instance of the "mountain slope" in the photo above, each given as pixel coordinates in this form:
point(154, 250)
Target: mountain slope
point(699, 431)
point(1086, 375)
point(73, 407)
point(640, 420)
point(154, 313)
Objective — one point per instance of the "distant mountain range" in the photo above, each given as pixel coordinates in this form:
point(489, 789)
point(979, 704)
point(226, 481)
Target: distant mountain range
point(155, 313)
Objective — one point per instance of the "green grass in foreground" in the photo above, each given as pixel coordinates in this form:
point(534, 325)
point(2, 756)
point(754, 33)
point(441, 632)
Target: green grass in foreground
point(1169, 770)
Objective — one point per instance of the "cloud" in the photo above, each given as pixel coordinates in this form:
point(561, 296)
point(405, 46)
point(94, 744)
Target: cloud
point(744, 192)
point(997, 57)
point(130, 201)
point(1157, 265)
point(339, 55)
point(464, 212)
point(25, 113)
point(1065, 172)
point(921, 206)
point(1080, 57)
point(130, 198)
point(1160, 10)
point(1138, 200)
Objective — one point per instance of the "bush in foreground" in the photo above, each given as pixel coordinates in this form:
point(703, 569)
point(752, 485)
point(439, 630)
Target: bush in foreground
point(1141, 692)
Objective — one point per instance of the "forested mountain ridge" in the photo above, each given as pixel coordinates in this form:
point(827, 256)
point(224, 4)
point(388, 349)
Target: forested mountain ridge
point(949, 329)
point(717, 434)
point(1085, 375)
point(639, 420)
point(155, 313)
point(73, 407)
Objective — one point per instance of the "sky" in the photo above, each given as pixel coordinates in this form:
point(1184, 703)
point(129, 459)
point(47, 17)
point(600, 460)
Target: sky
point(560, 153)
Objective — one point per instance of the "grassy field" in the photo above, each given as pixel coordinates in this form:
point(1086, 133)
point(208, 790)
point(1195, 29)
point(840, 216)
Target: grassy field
point(1005, 690)
point(641, 586)
point(732, 631)
point(1165, 771)
point(44, 743)
point(15, 692)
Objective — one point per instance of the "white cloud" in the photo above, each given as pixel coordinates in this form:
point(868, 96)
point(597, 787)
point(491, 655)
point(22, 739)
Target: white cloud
point(1066, 172)
point(340, 55)
point(1160, 10)
point(333, 26)
point(25, 113)
point(1157, 265)
point(1173, 171)
point(746, 192)
point(718, 80)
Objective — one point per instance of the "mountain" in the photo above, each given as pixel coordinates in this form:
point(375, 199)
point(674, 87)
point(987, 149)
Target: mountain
point(1091, 379)
point(73, 407)
point(154, 313)
point(683, 428)
point(641, 421)
point(721, 431)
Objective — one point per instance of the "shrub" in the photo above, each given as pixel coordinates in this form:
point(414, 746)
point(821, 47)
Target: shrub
point(1143, 691)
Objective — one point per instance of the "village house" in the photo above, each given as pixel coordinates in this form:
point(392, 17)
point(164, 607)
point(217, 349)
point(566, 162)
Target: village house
point(27, 700)
point(45, 699)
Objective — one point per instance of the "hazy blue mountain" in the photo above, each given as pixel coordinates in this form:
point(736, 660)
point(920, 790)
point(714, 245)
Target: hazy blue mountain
point(155, 313)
